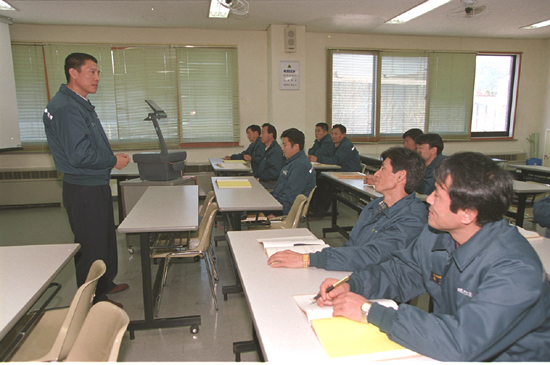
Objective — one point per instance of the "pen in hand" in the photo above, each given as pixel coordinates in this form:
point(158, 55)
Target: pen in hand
point(342, 281)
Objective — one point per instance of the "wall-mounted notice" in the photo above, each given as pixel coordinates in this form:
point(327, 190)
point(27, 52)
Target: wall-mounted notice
point(289, 75)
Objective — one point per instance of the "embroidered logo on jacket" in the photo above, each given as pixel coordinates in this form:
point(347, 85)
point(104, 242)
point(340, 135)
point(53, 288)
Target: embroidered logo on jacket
point(465, 292)
point(436, 278)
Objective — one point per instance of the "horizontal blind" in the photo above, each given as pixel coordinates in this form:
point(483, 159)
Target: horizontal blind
point(208, 91)
point(403, 91)
point(450, 94)
point(353, 88)
point(30, 86)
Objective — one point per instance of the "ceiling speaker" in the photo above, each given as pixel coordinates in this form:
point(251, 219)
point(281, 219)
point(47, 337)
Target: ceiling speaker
point(290, 39)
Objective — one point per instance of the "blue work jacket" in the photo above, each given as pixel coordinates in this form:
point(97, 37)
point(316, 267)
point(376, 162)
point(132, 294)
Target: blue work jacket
point(255, 150)
point(541, 212)
point(427, 186)
point(375, 235)
point(323, 147)
point(297, 177)
point(345, 155)
point(271, 163)
point(491, 296)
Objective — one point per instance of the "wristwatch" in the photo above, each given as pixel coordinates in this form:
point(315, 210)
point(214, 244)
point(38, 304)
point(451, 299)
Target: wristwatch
point(365, 308)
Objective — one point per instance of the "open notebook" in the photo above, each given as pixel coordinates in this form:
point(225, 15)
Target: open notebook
point(343, 337)
point(299, 244)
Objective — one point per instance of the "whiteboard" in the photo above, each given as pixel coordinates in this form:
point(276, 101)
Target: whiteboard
point(9, 118)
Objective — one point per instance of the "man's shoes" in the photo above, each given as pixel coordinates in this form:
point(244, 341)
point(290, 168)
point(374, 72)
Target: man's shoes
point(118, 288)
point(115, 303)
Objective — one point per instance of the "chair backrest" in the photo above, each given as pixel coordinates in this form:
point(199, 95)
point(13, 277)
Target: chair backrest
point(209, 199)
point(293, 217)
point(205, 229)
point(101, 334)
point(305, 210)
point(79, 308)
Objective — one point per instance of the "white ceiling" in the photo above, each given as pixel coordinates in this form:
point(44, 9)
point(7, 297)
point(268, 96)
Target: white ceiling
point(503, 20)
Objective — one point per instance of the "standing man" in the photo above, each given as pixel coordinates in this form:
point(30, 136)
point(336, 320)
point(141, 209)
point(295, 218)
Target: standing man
point(430, 147)
point(323, 145)
point(490, 292)
point(345, 154)
point(81, 151)
point(297, 175)
point(409, 137)
point(386, 224)
point(272, 159)
point(255, 150)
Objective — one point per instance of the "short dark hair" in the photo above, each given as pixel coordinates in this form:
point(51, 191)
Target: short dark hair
point(433, 139)
point(270, 129)
point(76, 60)
point(295, 136)
point(413, 133)
point(340, 127)
point(324, 126)
point(254, 128)
point(411, 162)
point(477, 183)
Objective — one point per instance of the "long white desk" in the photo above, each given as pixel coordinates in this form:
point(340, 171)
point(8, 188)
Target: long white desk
point(161, 209)
point(282, 328)
point(233, 169)
point(25, 273)
point(522, 189)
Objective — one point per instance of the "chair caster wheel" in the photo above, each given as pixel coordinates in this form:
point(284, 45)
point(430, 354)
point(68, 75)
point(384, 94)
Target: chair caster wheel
point(131, 251)
point(194, 329)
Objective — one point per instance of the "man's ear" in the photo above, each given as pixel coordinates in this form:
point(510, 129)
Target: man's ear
point(73, 72)
point(469, 216)
point(402, 176)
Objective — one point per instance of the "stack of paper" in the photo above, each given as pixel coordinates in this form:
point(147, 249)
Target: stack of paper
point(299, 244)
point(233, 183)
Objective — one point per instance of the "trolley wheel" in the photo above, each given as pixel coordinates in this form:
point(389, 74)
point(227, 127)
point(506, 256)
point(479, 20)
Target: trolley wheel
point(194, 329)
point(131, 250)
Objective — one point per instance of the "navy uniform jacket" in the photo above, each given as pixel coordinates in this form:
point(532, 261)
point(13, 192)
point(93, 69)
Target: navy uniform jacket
point(375, 235)
point(271, 163)
point(491, 296)
point(345, 155)
point(297, 177)
point(255, 150)
point(323, 147)
point(78, 143)
point(541, 212)
point(427, 186)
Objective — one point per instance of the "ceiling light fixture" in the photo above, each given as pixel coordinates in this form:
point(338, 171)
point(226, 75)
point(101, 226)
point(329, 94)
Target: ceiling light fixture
point(5, 6)
point(217, 10)
point(537, 25)
point(417, 11)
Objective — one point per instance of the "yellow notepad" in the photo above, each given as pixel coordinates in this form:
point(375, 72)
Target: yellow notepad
point(233, 183)
point(235, 161)
point(343, 337)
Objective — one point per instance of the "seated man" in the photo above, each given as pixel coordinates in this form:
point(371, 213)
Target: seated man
point(272, 159)
point(429, 146)
point(255, 150)
point(541, 212)
point(386, 224)
point(323, 145)
point(345, 154)
point(409, 137)
point(297, 176)
point(490, 292)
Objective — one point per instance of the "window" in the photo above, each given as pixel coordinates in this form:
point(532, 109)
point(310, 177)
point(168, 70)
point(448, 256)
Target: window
point(196, 86)
point(378, 95)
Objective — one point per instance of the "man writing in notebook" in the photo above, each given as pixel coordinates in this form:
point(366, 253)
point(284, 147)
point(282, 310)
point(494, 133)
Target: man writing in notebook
point(255, 150)
point(386, 224)
point(490, 292)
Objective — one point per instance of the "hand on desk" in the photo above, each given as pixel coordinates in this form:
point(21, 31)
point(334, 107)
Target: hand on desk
point(344, 303)
point(286, 258)
point(370, 180)
point(312, 158)
point(247, 158)
point(227, 158)
point(122, 160)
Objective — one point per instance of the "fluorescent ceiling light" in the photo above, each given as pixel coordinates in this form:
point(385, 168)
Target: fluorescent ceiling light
point(5, 6)
point(417, 11)
point(217, 10)
point(537, 25)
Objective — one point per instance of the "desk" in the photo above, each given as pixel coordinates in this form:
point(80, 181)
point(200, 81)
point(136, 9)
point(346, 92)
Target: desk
point(26, 272)
point(325, 167)
point(532, 172)
point(522, 189)
point(354, 187)
point(283, 330)
point(371, 159)
point(235, 169)
point(542, 246)
point(161, 209)
point(129, 172)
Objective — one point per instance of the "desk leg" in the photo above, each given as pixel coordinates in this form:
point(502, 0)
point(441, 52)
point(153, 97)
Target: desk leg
point(148, 306)
point(237, 287)
point(522, 199)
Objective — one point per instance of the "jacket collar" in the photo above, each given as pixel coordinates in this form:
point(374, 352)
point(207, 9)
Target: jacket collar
point(79, 99)
point(396, 208)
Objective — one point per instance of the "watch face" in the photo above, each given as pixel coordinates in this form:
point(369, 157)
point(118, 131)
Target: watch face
point(365, 307)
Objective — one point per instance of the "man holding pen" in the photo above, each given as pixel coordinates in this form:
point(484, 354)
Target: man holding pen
point(386, 224)
point(490, 292)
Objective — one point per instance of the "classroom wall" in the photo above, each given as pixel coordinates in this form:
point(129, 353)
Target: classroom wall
point(262, 101)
